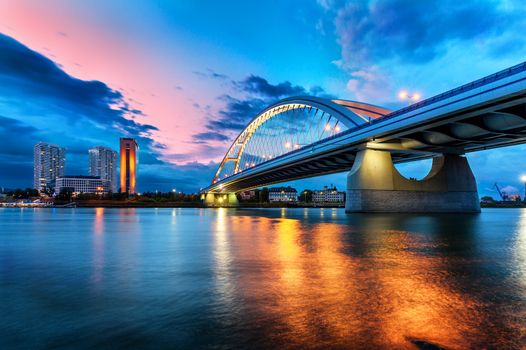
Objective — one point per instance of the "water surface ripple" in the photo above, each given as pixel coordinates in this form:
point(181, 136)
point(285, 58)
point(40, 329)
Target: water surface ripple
point(268, 278)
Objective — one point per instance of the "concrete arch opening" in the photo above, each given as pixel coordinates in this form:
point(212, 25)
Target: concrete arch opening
point(375, 185)
point(416, 170)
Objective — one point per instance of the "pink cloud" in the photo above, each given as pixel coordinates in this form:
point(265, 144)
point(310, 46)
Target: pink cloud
point(88, 46)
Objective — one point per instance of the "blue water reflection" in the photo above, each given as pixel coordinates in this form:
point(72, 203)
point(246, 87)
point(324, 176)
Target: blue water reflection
point(265, 278)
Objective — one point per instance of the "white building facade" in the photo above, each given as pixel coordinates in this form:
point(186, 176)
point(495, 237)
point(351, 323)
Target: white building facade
point(103, 164)
point(282, 194)
point(82, 184)
point(49, 162)
point(328, 195)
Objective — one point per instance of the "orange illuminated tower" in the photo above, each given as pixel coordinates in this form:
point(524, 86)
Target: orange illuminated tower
point(128, 165)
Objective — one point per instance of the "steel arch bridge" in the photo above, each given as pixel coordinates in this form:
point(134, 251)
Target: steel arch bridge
point(289, 125)
point(303, 137)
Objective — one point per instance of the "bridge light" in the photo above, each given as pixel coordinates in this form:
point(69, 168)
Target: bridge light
point(253, 164)
point(337, 128)
point(328, 127)
point(287, 144)
point(523, 178)
point(404, 95)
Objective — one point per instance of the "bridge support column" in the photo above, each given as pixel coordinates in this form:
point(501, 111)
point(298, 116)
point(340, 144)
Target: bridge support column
point(220, 199)
point(374, 185)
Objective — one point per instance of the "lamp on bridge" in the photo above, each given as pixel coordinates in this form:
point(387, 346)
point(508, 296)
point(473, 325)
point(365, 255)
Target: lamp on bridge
point(414, 97)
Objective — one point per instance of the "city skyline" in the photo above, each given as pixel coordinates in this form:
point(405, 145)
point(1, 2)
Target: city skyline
point(49, 164)
point(187, 113)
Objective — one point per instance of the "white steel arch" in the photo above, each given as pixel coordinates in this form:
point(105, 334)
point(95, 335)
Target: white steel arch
point(333, 116)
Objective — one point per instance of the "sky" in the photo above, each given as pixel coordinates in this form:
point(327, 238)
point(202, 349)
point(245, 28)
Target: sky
point(183, 77)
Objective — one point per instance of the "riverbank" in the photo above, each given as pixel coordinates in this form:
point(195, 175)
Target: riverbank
point(169, 204)
point(503, 205)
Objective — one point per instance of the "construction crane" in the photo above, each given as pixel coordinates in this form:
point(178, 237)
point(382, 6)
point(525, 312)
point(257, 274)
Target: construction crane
point(503, 195)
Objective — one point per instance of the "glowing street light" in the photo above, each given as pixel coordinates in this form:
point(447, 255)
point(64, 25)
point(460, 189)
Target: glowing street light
point(414, 97)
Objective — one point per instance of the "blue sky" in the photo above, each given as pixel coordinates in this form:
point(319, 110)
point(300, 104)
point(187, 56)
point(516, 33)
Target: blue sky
point(183, 77)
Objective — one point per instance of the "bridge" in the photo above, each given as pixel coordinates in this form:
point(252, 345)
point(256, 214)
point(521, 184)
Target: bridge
point(304, 136)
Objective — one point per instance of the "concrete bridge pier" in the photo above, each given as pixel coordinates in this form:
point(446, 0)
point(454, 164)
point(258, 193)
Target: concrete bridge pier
point(220, 199)
point(374, 185)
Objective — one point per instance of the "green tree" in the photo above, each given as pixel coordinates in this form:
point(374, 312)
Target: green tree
point(66, 193)
point(263, 195)
point(487, 199)
point(305, 196)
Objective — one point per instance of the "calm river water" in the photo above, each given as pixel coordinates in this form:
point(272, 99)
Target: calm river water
point(268, 278)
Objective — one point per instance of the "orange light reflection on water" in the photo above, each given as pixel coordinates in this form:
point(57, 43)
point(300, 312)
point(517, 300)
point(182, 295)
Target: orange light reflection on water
point(98, 247)
point(318, 287)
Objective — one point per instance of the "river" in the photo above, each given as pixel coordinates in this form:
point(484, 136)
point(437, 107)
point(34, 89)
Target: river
point(261, 278)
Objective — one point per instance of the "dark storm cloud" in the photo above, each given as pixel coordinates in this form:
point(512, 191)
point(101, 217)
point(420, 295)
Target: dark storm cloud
point(417, 31)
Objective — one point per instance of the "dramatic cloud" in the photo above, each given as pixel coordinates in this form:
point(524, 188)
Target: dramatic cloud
point(415, 31)
point(384, 43)
point(260, 86)
point(40, 102)
point(253, 95)
point(24, 71)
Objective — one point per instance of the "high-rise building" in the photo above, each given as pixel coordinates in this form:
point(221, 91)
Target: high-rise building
point(103, 164)
point(128, 165)
point(49, 163)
